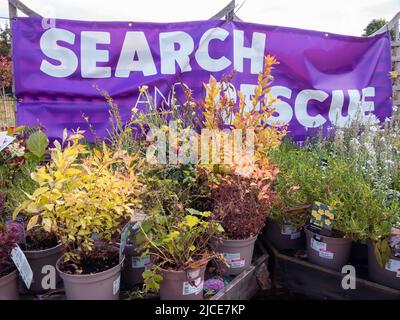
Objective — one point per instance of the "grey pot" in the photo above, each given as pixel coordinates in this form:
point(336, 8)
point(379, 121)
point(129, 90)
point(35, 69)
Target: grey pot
point(9, 286)
point(40, 258)
point(273, 232)
point(335, 252)
point(104, 285)
point(134, 267)
point(380, 274)
point(175, 285)
point(238, 254)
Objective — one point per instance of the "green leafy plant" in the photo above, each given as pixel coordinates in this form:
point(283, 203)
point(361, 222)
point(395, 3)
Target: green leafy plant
point(177, 242)
point(80, 195)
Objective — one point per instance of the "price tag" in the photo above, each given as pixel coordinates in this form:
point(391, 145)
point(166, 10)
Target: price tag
point(234, 260)
point(318, 245)
point(393, 266)
point(20, 261)
point(288, 230)
point(141, 262)
point(196, 288)
point(5, 140)
point(116, 285)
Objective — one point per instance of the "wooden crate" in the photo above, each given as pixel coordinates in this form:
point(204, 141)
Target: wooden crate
point(245, 285)
point(316, 282)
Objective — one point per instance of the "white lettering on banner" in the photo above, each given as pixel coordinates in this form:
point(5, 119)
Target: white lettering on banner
point(169, 55)
point(255, 53)
point(178, 51)
point(176, 48)
point(301, 106)
point(284, 110)
point(91, 55)
point(135, 44)
point(68, 62)
point(202, 55)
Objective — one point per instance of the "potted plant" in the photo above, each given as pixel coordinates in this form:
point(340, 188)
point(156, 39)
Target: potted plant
point(241, 187)
point(40, 247)
point(179, 246)
point(8, 271)
point(295, 192)
point(83, 197)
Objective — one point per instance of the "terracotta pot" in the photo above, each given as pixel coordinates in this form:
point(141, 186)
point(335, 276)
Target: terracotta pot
point(40, 258)
point(283, 237)
point(383, 275)
point(237, 253)
point(134, 266)
point(176, 285)
point(9, 286)
point(329, 252)
point(104, 285)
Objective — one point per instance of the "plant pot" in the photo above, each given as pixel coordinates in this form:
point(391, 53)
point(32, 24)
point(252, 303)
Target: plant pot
point(9, 286)
point(175, 285)
point(104, 285)
point(329, 252)
point(383, 275)
point(283, 238)
point(40, 258)
point(134, 266)
point(237, 253)
point(359, 254)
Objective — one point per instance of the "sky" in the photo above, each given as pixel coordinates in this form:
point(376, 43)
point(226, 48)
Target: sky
point(335, 16)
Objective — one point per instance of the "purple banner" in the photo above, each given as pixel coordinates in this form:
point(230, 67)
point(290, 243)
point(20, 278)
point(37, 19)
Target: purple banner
point(322, 78)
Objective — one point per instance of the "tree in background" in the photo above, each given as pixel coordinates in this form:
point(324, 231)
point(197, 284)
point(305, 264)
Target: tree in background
point(375, 25)
point(5, 41)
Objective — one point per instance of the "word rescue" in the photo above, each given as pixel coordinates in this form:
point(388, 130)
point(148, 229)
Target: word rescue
point(177, 53)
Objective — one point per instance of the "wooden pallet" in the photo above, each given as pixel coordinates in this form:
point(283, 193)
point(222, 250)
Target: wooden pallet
point(317, 282)
point(245, 285)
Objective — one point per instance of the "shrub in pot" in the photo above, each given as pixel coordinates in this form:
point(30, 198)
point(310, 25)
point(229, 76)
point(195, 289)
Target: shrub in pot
point(384, 246)
point(8, 271)
point(295, 192)
point(241, 182)
point(84, 196)
point(179, 246)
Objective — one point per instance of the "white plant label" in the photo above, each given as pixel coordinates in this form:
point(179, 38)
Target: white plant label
point(5, 140)
point(234, 260)
point(393, 266)
point(22, 264)
point(141, 262)
point(196, 288)
point(194, 274)
point(295, 235)
point(116, 284)
point(318, 245)
point(326, 254)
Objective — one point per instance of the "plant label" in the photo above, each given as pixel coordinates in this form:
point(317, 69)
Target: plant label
point(288, 230)
point(123, 239)
point(5, 140)
point(116, 284)
point(22, 264)
point(141, 262)
point(326, 254)
point(318, 245)
point(194, 274)
point(322, 216)
point(393, 266)
point(295, 235)
point(196, 288)
point(234, 260)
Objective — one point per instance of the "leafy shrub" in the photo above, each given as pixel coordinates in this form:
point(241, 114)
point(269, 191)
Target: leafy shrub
point(177, 241)
point(82, 194)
